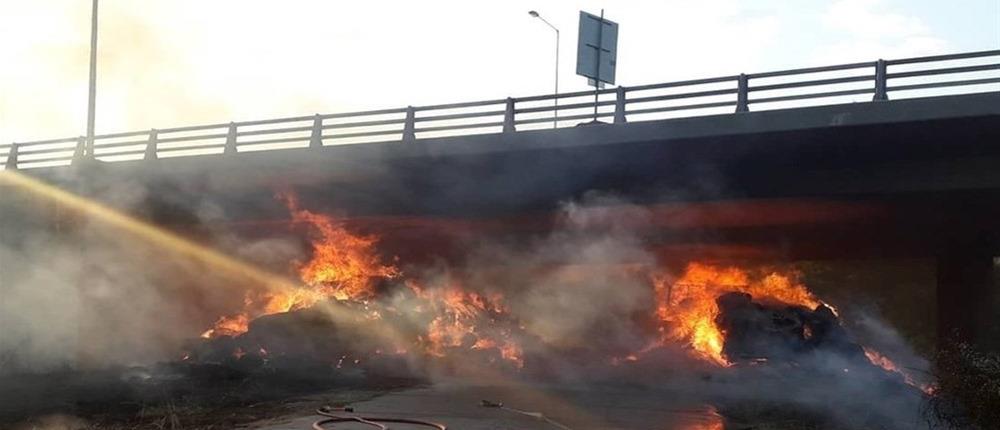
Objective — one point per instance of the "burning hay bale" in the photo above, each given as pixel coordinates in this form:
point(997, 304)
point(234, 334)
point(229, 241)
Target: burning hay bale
point(794, 357)
point(440, 330)
point(306, 340)
point(358, 315)
point(781, 333)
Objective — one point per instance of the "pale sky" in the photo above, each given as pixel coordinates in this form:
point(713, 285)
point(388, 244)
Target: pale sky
point(166, 63)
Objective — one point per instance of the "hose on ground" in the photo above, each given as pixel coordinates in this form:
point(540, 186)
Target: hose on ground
point(374, 422)
point(536, 415)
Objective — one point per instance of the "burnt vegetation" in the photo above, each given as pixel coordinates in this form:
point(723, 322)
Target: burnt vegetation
point(178, 395)
point(968, 392)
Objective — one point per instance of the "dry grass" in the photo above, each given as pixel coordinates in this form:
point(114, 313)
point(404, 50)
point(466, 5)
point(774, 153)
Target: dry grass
point(968, 395)
point(171, 416)
point(102, 401)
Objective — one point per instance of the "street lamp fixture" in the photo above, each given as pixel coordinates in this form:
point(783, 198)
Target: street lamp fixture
point(555, 120)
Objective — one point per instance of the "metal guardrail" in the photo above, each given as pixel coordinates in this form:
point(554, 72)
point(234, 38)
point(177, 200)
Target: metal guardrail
point(620, 104)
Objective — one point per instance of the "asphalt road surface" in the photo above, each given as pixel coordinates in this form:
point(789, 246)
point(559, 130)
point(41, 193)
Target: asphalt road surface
point(458, 406)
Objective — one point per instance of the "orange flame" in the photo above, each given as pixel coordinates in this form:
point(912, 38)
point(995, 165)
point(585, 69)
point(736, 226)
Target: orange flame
point(228, 326)
point(888, 365)
point(687, 305)
point(459, 316)
point(344, 266)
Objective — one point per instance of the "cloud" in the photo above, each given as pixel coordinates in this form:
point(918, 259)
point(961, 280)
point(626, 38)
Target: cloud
point(868, 29)
point(183, 62)
point(180, 62)
point(872, 18)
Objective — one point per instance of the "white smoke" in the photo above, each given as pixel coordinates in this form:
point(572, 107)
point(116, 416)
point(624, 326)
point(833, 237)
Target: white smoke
point(78, 292)
point(87, 295)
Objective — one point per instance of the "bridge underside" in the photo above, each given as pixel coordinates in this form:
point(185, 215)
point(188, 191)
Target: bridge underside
point(902, 179)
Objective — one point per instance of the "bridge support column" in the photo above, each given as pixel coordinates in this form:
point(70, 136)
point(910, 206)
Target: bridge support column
point(151, 146)
point(409, 125)
point(743, 93)
point(966, 295)
point(230, 147)
point(508, 117)
point(80, 151)
point(11, 163)
point(881, 78)
point(620, 106)
point(316, 138)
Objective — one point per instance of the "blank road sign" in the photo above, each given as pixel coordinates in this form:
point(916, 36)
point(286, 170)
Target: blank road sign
point(597, 48)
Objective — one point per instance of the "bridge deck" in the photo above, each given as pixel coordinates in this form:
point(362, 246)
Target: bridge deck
point(866, 82)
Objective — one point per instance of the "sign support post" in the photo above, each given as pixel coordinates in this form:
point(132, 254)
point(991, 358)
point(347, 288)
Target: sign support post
point(597, 64)
point(596, 53)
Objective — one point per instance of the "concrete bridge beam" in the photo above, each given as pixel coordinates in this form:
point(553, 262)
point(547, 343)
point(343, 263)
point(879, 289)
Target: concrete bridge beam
point(967, 294)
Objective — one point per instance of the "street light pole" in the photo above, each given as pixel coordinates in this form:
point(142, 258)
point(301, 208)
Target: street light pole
point(92, 96)
point(555, 120)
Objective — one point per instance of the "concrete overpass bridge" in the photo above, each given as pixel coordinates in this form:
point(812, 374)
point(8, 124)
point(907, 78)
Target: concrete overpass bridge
point(890, 158)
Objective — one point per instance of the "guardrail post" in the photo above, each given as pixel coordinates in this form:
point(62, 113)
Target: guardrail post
point(151, 146)
point(11, 163)
point(881, 90)
point(230, 140)
point(316, 140)
point(743, 93)
point(409, 126)
point(620, 106)
point(508, 117)
point(80, 151)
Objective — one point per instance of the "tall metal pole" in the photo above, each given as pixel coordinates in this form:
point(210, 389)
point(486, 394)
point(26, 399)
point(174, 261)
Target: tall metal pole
point(92, 96)
point(84, 358)
point(555, 118)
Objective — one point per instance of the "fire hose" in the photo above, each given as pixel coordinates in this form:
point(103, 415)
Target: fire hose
point(375, 422)
point(536, 415)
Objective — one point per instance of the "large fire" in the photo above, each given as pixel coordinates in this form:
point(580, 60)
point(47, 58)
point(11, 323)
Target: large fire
point(687, 308)
point(452, 318)
point(459, 319)
point(344, 266)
